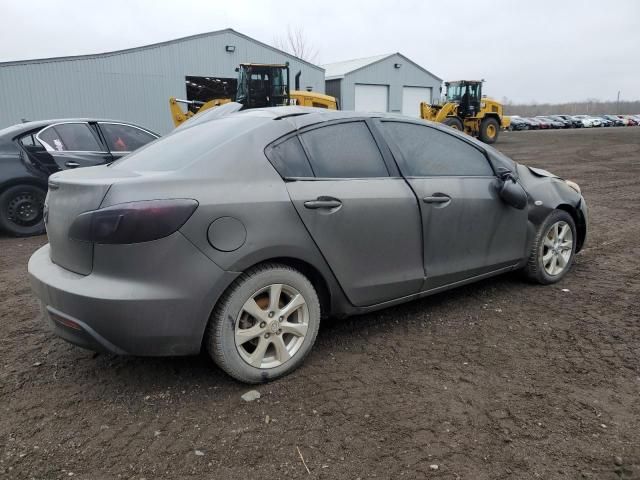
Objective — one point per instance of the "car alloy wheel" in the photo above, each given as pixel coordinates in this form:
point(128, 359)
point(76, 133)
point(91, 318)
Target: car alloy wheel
point(265, 324)
point(557, 248)
point(553, 249)
point(271, 326)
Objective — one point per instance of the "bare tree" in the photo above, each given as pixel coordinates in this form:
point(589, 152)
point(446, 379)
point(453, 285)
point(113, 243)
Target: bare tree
point(296, 43)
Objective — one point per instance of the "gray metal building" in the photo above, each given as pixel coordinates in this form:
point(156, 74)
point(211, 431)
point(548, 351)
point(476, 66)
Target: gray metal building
point(135, 84)
point(384, 83)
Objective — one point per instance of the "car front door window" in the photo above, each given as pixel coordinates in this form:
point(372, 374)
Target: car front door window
point(123, 138)
point(428, 152)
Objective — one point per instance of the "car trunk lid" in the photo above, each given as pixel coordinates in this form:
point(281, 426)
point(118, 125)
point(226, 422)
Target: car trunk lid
point(71, 193)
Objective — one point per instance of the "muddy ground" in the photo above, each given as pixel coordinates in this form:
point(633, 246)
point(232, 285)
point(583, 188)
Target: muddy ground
point(501, 379)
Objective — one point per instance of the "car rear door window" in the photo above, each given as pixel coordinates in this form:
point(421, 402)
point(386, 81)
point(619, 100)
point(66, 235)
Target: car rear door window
point(428, 152)
point(124, 138)
point(69, 137)
point(289, 159)
point(344, 150)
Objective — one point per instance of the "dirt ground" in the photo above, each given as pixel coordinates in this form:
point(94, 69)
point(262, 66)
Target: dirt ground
point(500, 379)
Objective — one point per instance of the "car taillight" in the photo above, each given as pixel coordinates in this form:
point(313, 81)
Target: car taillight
point(132, 222)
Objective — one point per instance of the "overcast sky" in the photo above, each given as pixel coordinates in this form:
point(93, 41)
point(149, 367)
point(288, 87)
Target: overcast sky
point(542, 50)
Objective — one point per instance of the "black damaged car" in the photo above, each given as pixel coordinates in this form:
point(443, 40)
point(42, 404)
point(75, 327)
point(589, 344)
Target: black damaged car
point(31, 151)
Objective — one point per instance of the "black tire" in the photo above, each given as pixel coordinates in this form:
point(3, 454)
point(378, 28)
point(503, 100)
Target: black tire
point(21, 210)
point(454, 122)
point(535, 268)
point(489, 130)
point(220, 337)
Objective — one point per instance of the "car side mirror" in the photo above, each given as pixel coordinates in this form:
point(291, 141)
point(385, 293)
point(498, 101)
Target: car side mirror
point(511, 192)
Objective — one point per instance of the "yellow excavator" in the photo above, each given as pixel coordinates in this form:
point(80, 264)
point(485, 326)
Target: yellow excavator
point(464, 108)
point(259, 85)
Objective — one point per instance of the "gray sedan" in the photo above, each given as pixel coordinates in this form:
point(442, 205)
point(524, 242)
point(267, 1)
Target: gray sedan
point(240, 232)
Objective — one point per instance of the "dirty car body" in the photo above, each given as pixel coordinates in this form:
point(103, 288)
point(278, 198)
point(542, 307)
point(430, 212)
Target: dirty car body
point(142, 253)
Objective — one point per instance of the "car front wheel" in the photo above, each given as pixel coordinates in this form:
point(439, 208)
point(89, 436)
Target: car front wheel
point(553, 249)
point(265, 324)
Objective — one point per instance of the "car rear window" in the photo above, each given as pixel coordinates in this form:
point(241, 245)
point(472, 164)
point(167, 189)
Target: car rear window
point(344, 150)
point(184, 146)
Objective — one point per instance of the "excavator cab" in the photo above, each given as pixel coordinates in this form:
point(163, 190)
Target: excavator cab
point(467, 94)
point(262, 85)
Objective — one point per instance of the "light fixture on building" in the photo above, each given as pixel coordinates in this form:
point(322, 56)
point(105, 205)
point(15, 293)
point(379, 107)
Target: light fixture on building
point(230, 48)
point(397, 65)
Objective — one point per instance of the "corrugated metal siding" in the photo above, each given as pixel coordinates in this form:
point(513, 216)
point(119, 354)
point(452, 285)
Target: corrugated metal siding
point(133, 86)
point(384, 73)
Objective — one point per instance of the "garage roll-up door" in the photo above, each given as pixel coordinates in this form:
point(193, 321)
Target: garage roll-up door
point(372, 98)
point(411, 98)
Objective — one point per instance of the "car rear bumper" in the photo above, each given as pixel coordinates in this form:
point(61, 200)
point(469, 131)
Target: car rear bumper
point(139, 302)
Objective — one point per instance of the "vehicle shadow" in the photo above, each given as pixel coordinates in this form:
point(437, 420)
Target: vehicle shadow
point(152, 374)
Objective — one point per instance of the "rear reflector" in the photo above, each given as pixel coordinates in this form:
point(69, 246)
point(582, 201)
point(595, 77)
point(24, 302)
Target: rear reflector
point(64, 321)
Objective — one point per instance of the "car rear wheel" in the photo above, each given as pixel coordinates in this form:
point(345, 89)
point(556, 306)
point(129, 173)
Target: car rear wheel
point(553, 249)
point(21, 210)
point(265, 324)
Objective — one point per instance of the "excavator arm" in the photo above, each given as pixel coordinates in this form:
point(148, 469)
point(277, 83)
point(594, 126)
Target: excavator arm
point(437, 113)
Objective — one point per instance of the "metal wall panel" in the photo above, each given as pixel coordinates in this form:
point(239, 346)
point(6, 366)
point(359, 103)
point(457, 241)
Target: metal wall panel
point(384, 73)
point(132, 85)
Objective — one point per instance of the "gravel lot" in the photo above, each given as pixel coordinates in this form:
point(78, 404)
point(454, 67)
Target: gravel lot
point(501, 379)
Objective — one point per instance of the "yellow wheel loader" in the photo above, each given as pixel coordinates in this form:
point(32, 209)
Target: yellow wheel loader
point(464, 108)
point(259, 85)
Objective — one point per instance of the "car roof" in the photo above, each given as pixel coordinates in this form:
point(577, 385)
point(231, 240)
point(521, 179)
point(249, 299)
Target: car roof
point(19, 128)
point(301, 117)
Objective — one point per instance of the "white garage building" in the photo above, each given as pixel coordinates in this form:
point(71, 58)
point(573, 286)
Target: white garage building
point(384, 83)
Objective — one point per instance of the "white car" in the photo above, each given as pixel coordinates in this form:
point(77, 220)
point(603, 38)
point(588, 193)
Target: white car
point(588, 121)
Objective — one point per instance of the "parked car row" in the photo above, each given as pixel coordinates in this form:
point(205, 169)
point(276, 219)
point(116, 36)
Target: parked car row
point(542, 122)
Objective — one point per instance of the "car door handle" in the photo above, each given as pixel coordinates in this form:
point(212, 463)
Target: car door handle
point(71, 164)
point(327, 203)
point(437, 199)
